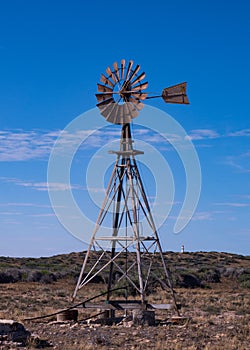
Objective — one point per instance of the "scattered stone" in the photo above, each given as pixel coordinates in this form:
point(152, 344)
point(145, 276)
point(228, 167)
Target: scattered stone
point(128, 324)
point(36, 342)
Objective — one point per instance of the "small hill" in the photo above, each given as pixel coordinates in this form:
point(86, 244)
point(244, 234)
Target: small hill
point(194, 269)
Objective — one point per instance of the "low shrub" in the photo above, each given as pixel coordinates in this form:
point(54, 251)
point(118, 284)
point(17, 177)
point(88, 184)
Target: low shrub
point(187, 280)
point(244, 279)
point(210, 275)
point(34, 276)
point(10, 276)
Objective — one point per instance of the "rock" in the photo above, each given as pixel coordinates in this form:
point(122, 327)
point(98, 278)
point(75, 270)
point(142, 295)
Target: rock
point(14, 331)
point(143, 317)
point(128, 324)
point(36, 342)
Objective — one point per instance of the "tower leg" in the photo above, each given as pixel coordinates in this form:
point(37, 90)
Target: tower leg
point(136, 232)
point(127, 195)
point(150, 217)
point(115, 228)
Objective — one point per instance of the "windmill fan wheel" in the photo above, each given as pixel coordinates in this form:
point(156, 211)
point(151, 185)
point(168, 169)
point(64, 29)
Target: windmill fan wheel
point(121, 92)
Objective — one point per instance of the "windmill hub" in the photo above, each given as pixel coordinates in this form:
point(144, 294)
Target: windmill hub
point(125, 95)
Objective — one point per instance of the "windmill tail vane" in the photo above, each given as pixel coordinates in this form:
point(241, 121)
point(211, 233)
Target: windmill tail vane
point(176, 94)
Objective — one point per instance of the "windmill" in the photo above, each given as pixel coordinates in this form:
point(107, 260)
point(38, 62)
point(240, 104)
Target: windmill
point(126, 255)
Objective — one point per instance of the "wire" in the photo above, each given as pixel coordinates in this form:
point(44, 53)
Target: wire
point(73, 306)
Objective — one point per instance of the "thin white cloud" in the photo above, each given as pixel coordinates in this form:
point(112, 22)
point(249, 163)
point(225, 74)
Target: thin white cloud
point(43, 215)
point(198, 216)
point(42, 186)
point(205, 134)
point(141, 131)
point(153, 199)
point(234, 163)
point(10, 213)
point(95, 189)
point(53, 186)
point(28, 205)
point(23, 204)
point(245, 231)
point(202, 134)
point(244, 196)
point(239, 133)
point(246, 154)
point(19, 145)
point(207, 215)
point(11, 222)
point(234, 204)
point(203, 216)
point(22, 145)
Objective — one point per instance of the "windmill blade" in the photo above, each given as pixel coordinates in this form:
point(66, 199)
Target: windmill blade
point(126, 111)
point(129, 69)
point(137, 103)
point(105, 102)
point(129, 112)
point(106, 81)
point(109, 116)
point(137, 68)
point(102, 97)
point(106, 110)
point(104, 88)
point(122, 68)
point(139, 95)
point(111, 75)
point(140, 87)
point(124, 115)
point(121, 119)
point(132, 110)
point(116, 71)
point(139, 78)
point(109, 72)
point(176, 94)
point(115, 114)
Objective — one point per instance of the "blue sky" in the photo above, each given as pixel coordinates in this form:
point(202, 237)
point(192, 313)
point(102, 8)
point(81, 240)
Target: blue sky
point(52, 54)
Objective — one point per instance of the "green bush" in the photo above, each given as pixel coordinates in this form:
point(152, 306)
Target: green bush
point(209, 274)
point(244, 279)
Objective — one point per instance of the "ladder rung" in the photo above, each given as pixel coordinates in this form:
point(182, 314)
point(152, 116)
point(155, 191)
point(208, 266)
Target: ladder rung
point(124, 238)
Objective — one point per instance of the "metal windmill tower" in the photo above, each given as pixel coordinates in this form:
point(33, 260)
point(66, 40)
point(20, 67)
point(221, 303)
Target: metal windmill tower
point(125, 205)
